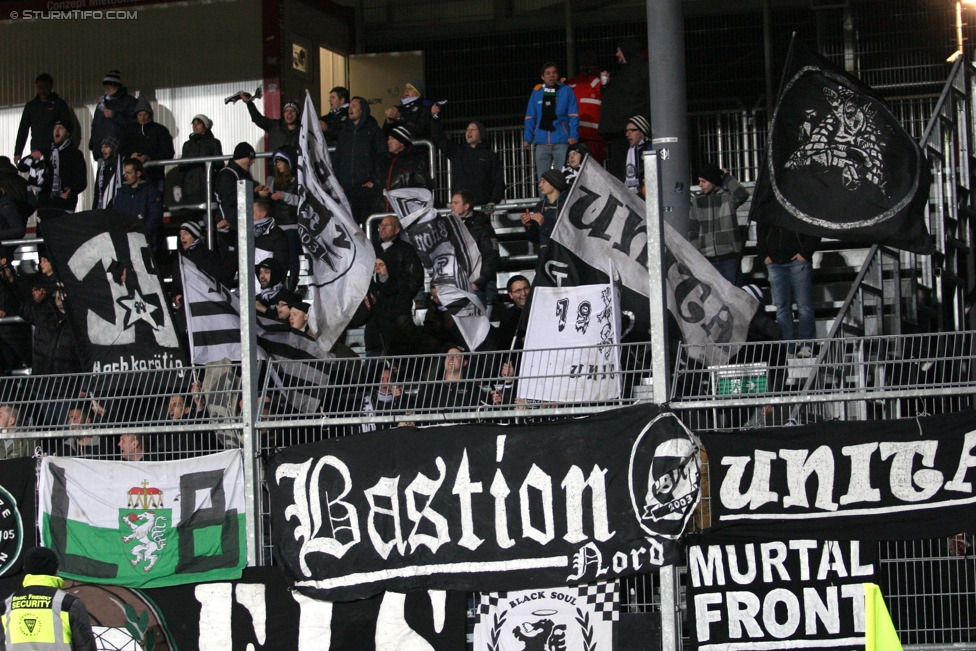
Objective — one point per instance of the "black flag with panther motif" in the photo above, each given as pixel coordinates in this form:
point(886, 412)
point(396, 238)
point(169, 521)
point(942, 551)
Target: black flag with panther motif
point(838, 163)
point(117, 308)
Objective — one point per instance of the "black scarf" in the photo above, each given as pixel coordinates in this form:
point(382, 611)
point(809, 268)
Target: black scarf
point(548, 121)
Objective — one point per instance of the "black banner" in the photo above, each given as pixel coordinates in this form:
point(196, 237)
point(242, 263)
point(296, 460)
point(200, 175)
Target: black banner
point(117, 308)
point(779, 594)
point(880, 480)
point(484, 507)
point(18, 508)
point(261, 612)
point(838, 162)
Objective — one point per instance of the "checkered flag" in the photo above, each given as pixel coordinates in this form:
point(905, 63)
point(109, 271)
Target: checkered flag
point(603, 599)
point(489, 600)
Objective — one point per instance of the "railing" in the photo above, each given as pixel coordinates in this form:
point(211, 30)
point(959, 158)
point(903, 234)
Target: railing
point(929, 585)
point(208, 162)
point(864, 378)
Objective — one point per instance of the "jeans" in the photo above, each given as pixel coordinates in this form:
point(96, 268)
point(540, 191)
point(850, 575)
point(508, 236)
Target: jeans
point(549, 156)
point(793, 282)
point(731, 270)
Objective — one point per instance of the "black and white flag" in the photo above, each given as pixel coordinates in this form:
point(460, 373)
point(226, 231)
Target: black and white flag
point(485, 507)
point(571, 351)
point(602, 221)
point(838, 163)
point(213, 321)
point(877, 480)
point(786, 594)
point(577, 617)
point(449, 254)
point(341, 256)
point(117, 308)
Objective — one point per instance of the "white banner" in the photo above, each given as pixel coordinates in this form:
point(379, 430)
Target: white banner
point(580, 617)
point(601, 220)
point(571, 352)
point(341, 256)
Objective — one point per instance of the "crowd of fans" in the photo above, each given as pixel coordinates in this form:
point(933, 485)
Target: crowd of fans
point(597, 115)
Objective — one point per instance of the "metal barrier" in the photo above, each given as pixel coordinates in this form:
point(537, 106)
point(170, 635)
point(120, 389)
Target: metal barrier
point(931, 591)
point(930, 585)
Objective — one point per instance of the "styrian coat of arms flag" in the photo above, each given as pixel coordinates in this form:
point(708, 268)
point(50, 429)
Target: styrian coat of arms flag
point(145, 524)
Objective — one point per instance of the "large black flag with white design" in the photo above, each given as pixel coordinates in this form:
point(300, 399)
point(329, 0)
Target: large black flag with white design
point(114, 301)
point(484, 507)
point(838, 164)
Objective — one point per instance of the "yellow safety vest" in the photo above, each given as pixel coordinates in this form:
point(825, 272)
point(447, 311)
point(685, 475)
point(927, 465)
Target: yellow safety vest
point(34, 621)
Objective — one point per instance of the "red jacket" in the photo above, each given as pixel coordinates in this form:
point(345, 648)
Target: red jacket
point(586, 86)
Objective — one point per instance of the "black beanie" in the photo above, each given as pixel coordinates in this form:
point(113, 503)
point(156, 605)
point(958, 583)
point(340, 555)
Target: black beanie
point(41, 560)
point(556, 179)
point(711, 173)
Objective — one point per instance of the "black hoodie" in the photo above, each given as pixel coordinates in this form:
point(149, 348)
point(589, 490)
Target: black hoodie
point(358, 148)
point(123, 107)
point(38, 118)
point(628, 93)
point(151, 139)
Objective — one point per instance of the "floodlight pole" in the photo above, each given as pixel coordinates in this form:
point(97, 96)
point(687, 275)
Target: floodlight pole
point(669, 107)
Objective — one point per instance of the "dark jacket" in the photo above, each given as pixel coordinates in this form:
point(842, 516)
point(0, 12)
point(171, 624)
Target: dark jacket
point(11, 183)
point(82, 638)
point(508, 327)
point(284, 210)
point(221, 263)
point(123, 107)
point(151, 139)
point(144, 202)
point(275, 243)
point(539, 235)
point(278, 133)
point(415, 116)
point(483, 233)
point(477, 169)
point(780, 244)
point(380, 318)
point(406, 272)
point(225, 191)
point(335, 120)
point(408, 169)
point(193, 177)
point(627, 94)
point(74, 175)
point(54, 348)
point(39, 117)
point(358, 148)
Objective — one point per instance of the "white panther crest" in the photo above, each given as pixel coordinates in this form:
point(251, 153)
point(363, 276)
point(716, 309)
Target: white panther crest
point(150, 531)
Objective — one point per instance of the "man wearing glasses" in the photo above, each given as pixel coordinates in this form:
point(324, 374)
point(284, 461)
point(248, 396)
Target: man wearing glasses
point(638, 134)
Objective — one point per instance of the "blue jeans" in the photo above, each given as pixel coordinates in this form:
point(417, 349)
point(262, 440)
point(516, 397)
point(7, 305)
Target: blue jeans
point(731, 270)
point(549, 156)
point(793, 282)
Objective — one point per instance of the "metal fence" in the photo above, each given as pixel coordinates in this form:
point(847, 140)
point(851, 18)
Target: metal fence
point(929, 585)
point(181, 412)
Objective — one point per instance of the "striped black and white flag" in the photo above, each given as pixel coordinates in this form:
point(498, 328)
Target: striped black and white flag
point(449, 254)
point(341, 256)
point(214, 330)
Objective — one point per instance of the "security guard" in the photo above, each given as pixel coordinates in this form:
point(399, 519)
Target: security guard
point(41, 616)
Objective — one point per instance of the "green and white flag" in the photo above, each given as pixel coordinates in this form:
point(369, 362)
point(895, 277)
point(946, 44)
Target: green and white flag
point(145, 524)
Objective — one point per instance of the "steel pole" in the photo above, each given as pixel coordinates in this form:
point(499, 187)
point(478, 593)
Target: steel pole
point(669, 107)
point(249, 371)
point(657, 297)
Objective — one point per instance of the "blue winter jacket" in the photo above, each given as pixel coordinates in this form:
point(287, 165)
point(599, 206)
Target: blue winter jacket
point(567, 117)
